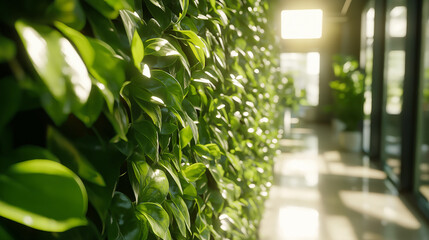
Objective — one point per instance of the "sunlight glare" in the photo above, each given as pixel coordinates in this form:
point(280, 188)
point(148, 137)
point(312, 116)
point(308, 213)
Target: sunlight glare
point(381, 206)
point(302, 24)
point(77, 70)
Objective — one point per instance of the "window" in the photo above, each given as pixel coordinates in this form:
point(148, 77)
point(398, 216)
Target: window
point(304, 68)
point(301, 24)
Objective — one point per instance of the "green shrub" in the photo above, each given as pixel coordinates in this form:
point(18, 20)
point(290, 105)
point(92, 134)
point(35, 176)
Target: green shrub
point(135, 119)
point(348, 91)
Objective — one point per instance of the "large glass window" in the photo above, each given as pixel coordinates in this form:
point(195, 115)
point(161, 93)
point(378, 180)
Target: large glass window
point(304, 68)
point(367, 64)
point(423, 150)
point(396, 22)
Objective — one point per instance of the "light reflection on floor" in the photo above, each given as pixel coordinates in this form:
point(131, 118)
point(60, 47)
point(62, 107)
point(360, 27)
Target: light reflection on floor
point(321, 193)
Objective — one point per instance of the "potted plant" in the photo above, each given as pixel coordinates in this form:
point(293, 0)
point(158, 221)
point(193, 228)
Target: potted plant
point(348, 94)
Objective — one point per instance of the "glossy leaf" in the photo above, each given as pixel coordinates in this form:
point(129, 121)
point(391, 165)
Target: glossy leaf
point(185, 5)
point(163, 16)
point(185, 136)
point(90, 112)
point(197, 45)
point(124, 223)
point(157, 217)
point(234, 161)
point(147, 137)
point(180, 205)
point(189, 191)
point(163, 48)
point(43, 194)
point(173, 174)
point(193, 172)
point(149, 185)
point(151, 109)
point(163, 88)
point(168, 128)
point(119, 121)
point(137, 50)
point(132, 23)
point(56, 61)
point(190, 110)
point(101, 61)
point(203, 151)
point(158, 3)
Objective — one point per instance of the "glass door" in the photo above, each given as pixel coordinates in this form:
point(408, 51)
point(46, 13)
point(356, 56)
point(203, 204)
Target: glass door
point(422, 166)
point(394, 71)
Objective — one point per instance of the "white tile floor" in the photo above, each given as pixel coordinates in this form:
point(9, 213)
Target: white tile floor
point(321, 193)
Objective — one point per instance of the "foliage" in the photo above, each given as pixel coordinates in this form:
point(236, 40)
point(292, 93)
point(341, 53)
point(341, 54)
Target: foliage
point(135, 119)
point(348, 91)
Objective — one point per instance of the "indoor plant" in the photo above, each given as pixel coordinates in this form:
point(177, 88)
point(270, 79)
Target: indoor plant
point(348, 94)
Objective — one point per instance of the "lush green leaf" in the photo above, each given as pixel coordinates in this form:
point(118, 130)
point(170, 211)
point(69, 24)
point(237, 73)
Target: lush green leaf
point(57, 62)
point(193, 172)
point(137, 50)
point(151, 109)
point(157, 217)
point(43, 194)
point(163, 48)
point(149, 185)
point(197, 45)
point(158, 3)
point(132, 23)
point(124, 223)
point(90, 112)
point(163, 88)
point(119, 121)
point(168, 128)
point(185, 5)
point(173, 174)
point(185, 136)
point(101, 61)
point(147, 137)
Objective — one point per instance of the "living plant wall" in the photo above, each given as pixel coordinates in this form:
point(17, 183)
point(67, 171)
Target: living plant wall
point(135, 119)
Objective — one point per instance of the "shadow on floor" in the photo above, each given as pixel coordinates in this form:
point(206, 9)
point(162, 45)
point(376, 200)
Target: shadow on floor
point(322, 193)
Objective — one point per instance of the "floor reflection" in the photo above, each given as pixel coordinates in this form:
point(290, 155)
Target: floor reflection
point(298, 222)
point(320, 193)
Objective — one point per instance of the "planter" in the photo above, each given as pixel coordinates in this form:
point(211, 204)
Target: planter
point(350, 141)
point(337, 125)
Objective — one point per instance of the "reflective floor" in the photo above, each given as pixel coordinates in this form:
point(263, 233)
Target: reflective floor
point(325, 194)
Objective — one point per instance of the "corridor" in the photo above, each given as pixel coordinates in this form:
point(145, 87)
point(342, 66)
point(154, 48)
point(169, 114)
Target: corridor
point(321, 193)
